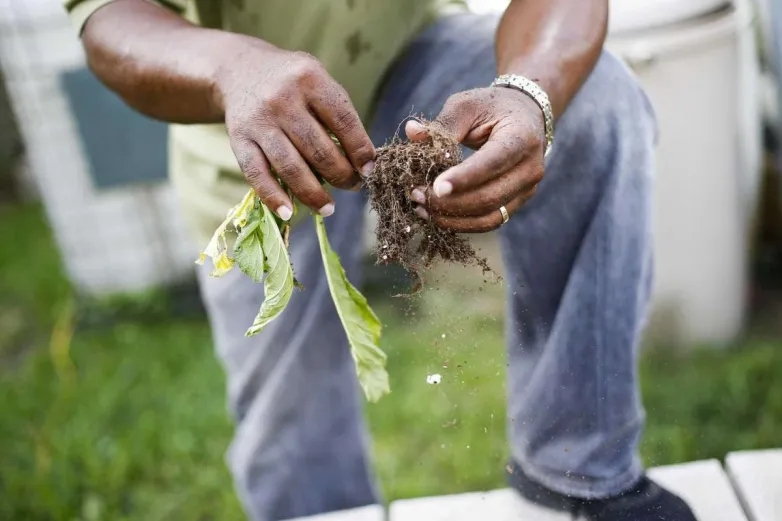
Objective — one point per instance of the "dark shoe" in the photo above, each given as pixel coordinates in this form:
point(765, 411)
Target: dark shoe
point(646, 501)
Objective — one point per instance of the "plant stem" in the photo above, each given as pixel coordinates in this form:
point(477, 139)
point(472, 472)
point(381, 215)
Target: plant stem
point(286, 235)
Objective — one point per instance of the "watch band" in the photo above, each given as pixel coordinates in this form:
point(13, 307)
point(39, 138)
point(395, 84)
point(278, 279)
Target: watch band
point(534, 91)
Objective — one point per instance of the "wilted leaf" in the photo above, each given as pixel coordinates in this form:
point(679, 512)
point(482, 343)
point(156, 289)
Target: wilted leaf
point(217, 248)
point(222, 263)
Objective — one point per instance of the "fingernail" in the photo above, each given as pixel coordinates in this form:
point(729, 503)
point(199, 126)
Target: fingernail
point(418, 196)
point(416, 126)
point(442, 188)
point(326, 210)
point(421, 212)
point(366, 170)
point(285, 213)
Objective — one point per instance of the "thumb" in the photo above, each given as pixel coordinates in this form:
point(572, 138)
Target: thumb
point(416, 131)
point(458, 116)
point(456, 119)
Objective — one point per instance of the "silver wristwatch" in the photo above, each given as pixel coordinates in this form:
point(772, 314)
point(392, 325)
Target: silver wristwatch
point(534, 91)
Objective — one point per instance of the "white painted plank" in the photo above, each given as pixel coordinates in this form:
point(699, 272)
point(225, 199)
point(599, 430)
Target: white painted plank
point(368, 513)
point(498, 505)
point(705, 487)
point(757, 478)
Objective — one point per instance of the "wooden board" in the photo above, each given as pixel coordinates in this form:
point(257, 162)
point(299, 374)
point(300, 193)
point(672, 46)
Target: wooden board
point(757, 478)
point(498, 505)
point(705, 487)
point(370, 513)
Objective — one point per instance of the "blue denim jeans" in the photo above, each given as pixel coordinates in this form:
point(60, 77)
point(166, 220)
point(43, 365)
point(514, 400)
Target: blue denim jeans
point(578, 259)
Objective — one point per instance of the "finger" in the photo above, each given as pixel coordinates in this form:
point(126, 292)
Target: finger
point(459, 115)
point(485, 223)
point(293, 170)
point(482, 200)
point(503, 151)
point(333, 107)
point(416, 131)
point(315, 145)
point(259, 175)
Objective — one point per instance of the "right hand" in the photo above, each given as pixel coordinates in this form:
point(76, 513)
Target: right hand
point(278, 108)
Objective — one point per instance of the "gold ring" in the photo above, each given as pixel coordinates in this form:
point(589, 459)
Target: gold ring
point(505, 214)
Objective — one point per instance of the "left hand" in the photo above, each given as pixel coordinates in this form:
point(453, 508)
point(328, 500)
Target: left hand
point(508, 130)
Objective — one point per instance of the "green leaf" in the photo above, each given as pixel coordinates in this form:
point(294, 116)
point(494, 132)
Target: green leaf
point(279, 282)
point(248, 249)
point(361, 324)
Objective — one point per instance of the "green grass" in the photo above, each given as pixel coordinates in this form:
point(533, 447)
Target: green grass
point(128, 422)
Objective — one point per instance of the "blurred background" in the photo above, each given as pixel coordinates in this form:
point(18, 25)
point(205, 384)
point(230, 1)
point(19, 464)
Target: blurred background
point(112, 405)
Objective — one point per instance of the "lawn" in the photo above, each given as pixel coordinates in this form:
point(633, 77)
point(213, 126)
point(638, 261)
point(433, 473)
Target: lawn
point(116, 412)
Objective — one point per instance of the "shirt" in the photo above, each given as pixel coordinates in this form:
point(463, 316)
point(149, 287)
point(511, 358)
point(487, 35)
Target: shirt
point(356, 40)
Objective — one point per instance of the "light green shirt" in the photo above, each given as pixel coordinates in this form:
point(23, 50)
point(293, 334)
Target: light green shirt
point(356, 40)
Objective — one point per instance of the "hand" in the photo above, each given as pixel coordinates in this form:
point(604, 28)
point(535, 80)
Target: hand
point(508, 129)
point(278, 107)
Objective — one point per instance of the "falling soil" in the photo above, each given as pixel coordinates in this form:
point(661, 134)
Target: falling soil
point(403, 237)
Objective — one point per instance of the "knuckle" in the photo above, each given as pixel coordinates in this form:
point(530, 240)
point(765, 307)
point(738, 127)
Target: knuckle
point(254, 176)
point(459, 101)
point(244, 158)
point(306, 68)
point(537, 174)
point(455, 100)
point(275, 102)
point(266, 192)
point(311, 196)
point(364, 152)
point(345, 122)
point(324, 157)
point(245, 127)
point(287, 169)
point(343, 180)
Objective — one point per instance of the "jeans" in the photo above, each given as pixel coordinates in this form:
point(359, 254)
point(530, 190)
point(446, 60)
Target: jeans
point(578, 263)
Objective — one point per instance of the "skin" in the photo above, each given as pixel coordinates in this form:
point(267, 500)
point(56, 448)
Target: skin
point(555, 43)
point(278, 104)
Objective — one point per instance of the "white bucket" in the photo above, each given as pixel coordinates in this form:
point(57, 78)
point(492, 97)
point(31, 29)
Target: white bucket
point(635, 15)
point(117, 240)
point(702, 77)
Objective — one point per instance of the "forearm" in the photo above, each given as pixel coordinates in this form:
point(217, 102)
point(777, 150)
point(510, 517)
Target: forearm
point(554, 42)
point(157, 62)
